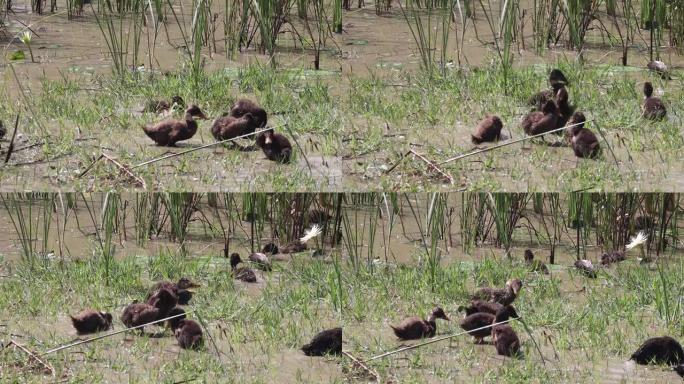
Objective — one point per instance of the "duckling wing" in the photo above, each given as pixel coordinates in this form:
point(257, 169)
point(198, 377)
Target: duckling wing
point(478, 320)
point(411, 328)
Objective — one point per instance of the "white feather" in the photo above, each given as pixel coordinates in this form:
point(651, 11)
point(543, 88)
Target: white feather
point(311, 233)
point(637, 240)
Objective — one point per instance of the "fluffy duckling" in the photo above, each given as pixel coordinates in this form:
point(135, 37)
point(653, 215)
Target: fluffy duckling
point(472, 323)
point(175, 323)
point(328, 341)
point(270, 249)
point(90, 321)
point(659, 350)
point(181, 289)
point(245, 106)
point(156, 308)
point(416, 328)
point(539, 122)
point(159, 106)
point(565, 110)
point(583, 141)
point(503, 296)
point(557, 81)
point(229, 127)
point(505, 340)
point(275, 146)
point(612, 258)
point(488, 130)
point(660, 68)
point(261, 261)
point(535, 265)
point(242, 273)
point(299, 245)
point(480, 306)
point(586, 267)
point(653, 107)
point(189, 334)
point(171, 131)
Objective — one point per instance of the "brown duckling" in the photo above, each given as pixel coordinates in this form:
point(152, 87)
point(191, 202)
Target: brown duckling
point(261, 261)
point(659, 350)
point(473, 322)
point(505, 340)
point(539, 122)
point(270, 249)
point(660, 68)
point(229, 127)
point(565, 110)
point(504, 296)
point(583, 141)
point(557, 81)
point(480, 306)
point(612, 257)
point(326, 342)
point(275, 146)
point(535, 265)
point(90, 321)
point(299, 245)
point(244, 106)
point(242, 273)
point(157, 307)
point(176, 321)
point(586, 268)
point(653, 107)
point(416, 328)
point(189, 334)
point(488, 130)
point(169, 132)
point(181, 289)
point(159, 106)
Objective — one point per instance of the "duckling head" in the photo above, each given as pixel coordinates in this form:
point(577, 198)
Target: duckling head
point(550, 107)
point(529, 256)
point(557, 79)
point(576, 123)
point(648, 89)
point(195, 111)
point(235, 259)
point(514, 285)
point(177, 100)
point(107, 317)
point(186, 283)
point(438, 313)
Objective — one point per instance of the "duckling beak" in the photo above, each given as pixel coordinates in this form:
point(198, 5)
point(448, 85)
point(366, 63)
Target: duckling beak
point(268, 139)
point(203, 116)
point(446, 317)
point(194, 285)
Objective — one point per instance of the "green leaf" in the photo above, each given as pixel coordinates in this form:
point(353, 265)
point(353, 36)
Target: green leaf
point(17, 55)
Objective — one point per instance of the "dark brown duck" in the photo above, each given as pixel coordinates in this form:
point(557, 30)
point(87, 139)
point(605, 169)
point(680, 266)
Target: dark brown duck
point(275, 146)
point(586, 267)
point(488, 130)
point(189, 334)
point(245, 106)
point(612, 257)
point(503, 296)
point(229, 127)
point(659, 350)
point(157, 307)
point(557, 81)
point(417, 328)
point(653, 107)
point(535, 265)
point(181, 289)
point(91, 321)
point(539, 122)
point(261, 261)
point(474, 322)
point(326, 342)
point(241, 273)
point(480, 306)
point(583, 141)
point(505, 340)
point(169, 132)
point(270, 249)
point(159, 106)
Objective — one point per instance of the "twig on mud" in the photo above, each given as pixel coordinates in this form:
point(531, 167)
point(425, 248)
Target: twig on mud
point(33, 356)
point(398, 162)
point(206, 329)
point(200, 147)
point(14, 134)
point(112, 334)
point(432, 165)
point(298, 146)
point(362, 365)
point(529, 332)
point(126, 170)
point(90, 167)
point(464, 155)
point(436, 340)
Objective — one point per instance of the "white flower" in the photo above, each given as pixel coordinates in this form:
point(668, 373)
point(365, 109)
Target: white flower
point(637, 240)
point(26, 38)
point(311, 233)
